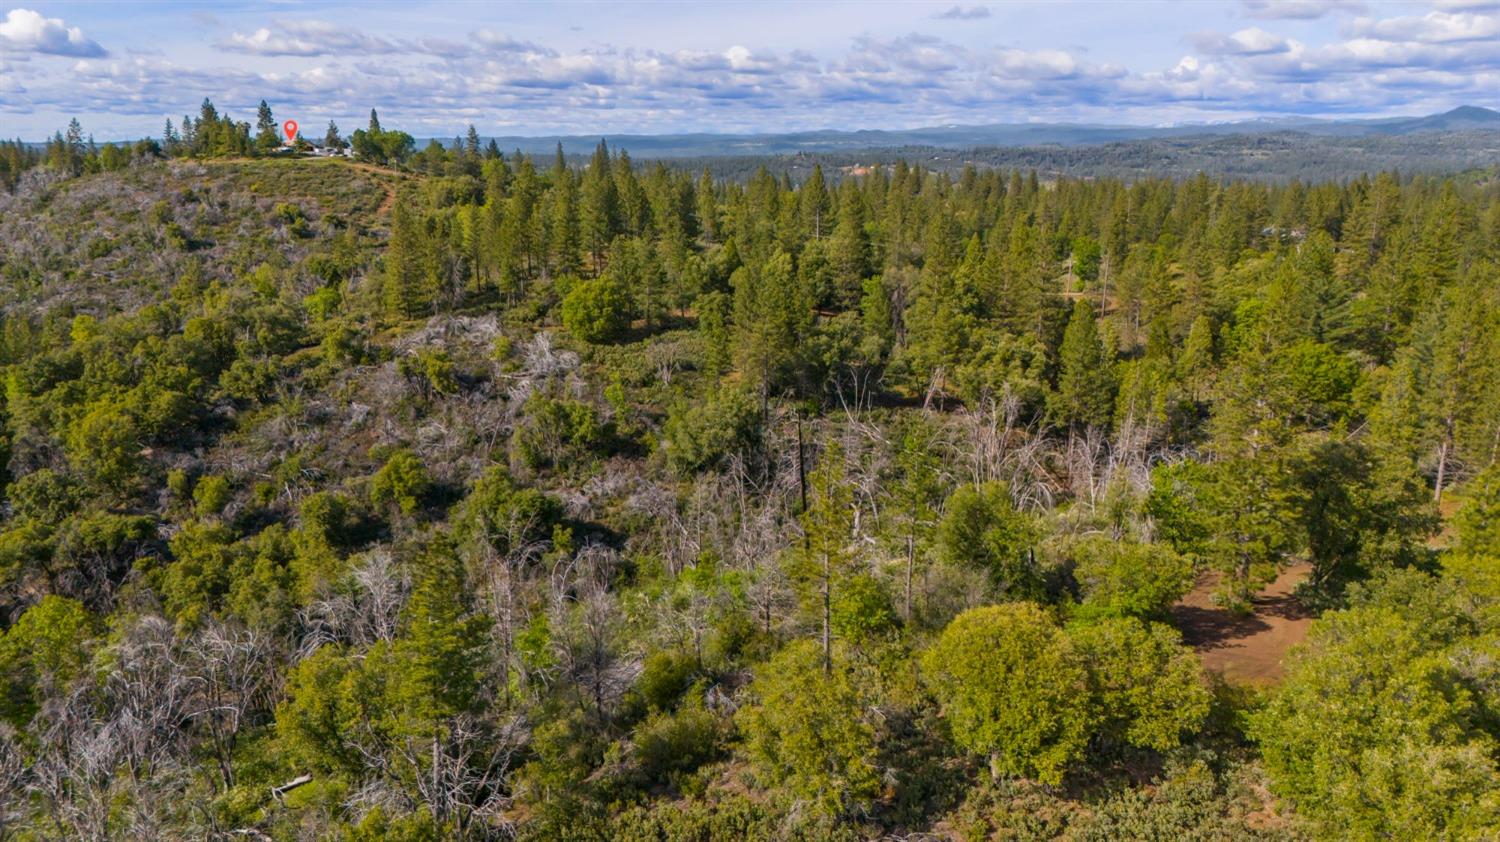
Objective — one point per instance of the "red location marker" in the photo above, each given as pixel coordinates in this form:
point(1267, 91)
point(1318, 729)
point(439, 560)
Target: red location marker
point(290, 127)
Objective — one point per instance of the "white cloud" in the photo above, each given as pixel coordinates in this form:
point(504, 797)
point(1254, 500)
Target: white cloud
point(500, 43)
point(1298, 9)
point(307, 38)
point(1466, 5)
point(1253, 41)
point(26, 31)
point(1433, 27)
point(436, 80)
point(963, 13)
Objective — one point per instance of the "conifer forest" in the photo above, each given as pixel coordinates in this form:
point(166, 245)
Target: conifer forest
point(446, 492)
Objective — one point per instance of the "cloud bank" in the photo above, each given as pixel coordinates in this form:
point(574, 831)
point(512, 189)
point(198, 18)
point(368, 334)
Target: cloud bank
point(505, 81)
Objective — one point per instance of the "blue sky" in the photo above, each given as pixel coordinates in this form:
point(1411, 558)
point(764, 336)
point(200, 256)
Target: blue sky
point(591, 68)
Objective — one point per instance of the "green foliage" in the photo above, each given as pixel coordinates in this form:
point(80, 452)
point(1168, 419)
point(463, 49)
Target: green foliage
point(1189, 801)
point(197, 367)
point(380, 146)
point(671, 745)
point(862, 609)
point(807, 731)
point(703, 435)
point(210, 495)
point(432, 372)
point(1376, 733)
point(559, 431)
point(1149, 690)
point(41, 654)
point(44, 496)
point(981, 528)
point(1360, 514)
point(773, 316)
point(597, 310)
point(1012, 690)
point(665, 676)
point(1477, 520)
point(1086, 381)
point(1124, 578)
point(500, 518)
point(402, 482)
point(104, 447)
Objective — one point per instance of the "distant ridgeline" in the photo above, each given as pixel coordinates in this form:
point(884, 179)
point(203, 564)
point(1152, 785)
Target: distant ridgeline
point(1465, 138)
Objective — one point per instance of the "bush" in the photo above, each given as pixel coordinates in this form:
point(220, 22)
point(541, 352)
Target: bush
point(210, 495)
point(669, 745)
point(806, 732)
point(702, 435)
point(557, 431)
point(403, 482)
point(1148, 688)
point(983, 529)
point(1377, 734)
point(1012, 690)
point(1124, 578)
point(665, 676)
point(596, 311)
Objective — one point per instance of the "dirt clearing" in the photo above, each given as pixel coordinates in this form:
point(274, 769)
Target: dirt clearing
point(1245, 648)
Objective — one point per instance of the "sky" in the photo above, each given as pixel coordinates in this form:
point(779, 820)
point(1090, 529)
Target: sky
point(668, 67)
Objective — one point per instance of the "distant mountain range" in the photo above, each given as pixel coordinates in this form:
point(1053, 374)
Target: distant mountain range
point(1465, 118)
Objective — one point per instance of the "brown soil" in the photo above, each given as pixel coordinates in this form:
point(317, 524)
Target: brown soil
point(1245, 648)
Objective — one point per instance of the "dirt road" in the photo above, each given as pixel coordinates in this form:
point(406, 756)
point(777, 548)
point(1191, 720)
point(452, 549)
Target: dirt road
point(1245, 648)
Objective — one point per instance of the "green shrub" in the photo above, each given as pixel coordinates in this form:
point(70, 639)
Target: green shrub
point(597, 310)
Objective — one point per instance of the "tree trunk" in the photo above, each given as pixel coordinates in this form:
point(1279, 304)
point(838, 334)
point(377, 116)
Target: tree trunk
point(827, 615)
point(911, 555)
point(1442, 470)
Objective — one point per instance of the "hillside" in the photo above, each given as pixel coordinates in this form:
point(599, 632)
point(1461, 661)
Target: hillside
point(488, 498)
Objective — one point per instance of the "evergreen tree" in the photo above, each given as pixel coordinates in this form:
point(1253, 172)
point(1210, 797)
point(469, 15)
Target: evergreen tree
point(406, 294)
point(1086, 379)
point(267, 134)
point(825, 562)
point(599, 213)
point(773, 318)
point(815, 203)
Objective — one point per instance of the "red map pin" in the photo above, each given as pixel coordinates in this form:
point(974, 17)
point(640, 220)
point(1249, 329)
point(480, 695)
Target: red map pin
point(290, 127)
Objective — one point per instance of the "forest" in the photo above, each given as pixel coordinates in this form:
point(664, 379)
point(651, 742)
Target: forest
point(453, 494)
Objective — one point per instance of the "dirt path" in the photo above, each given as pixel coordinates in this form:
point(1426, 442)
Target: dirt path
point(390, 188)
point(1245, 648)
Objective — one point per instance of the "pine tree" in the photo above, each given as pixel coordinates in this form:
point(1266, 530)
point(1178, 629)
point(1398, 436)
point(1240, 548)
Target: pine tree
point(599, 215)
point(1195, 363)
point(773, 316)
point(1086, 379)
point(267, 136)
point(708, 207)
point(1022, 300)
point(565, 245)
point(405, 294)
point(916, 497)
point(827, 525)
point(815, 203)
point(850, 252)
